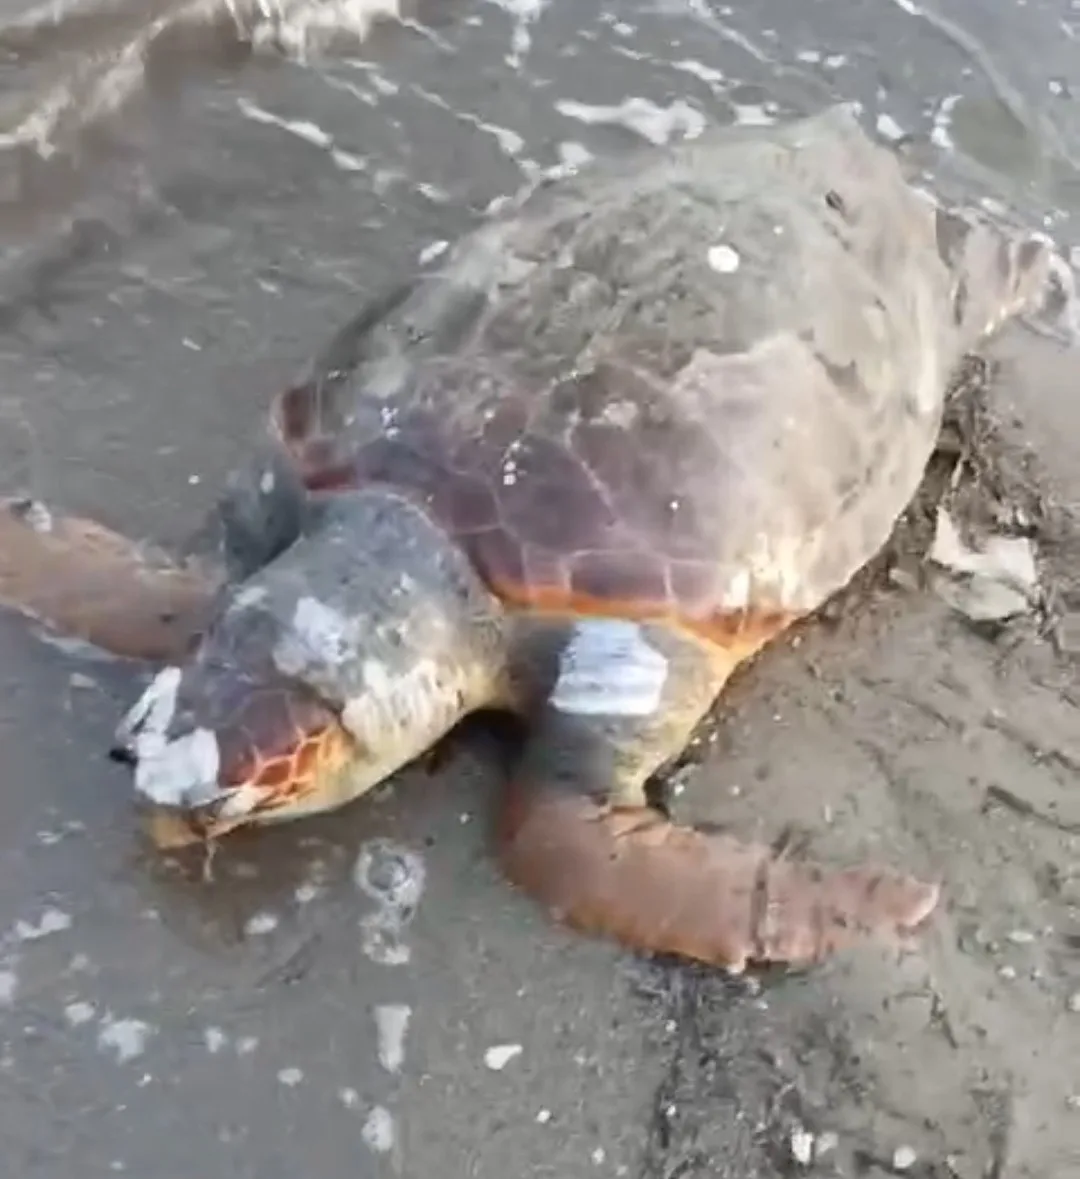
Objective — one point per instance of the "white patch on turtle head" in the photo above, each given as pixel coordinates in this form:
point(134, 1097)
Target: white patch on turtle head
point(724, 259)
point(609, 669)
point(418, 703)
point(319, 635)
point(153, 711)
point(180, 773)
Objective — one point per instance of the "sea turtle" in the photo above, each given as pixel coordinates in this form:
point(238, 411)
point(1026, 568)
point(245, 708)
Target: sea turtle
point(623, 436)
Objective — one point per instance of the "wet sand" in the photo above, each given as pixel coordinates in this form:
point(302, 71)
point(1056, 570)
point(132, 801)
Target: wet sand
point(231, 1027)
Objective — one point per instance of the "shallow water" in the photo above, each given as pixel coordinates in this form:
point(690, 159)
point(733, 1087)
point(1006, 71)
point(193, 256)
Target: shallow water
point(192, 196)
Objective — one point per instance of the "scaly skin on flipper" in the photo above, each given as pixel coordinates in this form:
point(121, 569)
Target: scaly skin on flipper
point(86, 582)
point(619, 442)
point(653, 886)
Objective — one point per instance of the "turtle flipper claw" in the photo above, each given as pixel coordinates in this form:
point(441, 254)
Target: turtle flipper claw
point(805, 913)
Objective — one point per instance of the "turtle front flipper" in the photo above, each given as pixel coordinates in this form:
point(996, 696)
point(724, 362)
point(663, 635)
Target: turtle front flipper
point(87, 582)
point(577, 833)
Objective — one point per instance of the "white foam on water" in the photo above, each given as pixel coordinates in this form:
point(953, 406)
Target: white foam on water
point(52, 920)
point(888, 127)
point(510, 142)
point(260, 924)
point(941, 132)
point(290, 1077)
point(214, 1039)
point(524, 14)
point(304, 129)
point(305, 893)
point(79, 1012)
point(753, 114)
point(126, 1038)
point(712, 78)
point(391, 1024)
point(97, 86)
point(432, 251)
point(657, 124)
point(379, 1132)
point(9, 982)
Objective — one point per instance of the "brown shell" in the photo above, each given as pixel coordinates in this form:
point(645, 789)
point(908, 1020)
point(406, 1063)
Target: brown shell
point(605, 419)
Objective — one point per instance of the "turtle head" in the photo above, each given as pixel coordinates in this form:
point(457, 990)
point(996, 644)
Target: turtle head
point(214, 746)
point(997, 273)
point(324, 672)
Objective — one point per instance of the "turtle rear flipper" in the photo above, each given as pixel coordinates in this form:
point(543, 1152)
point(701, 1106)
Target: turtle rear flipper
point(577, 833)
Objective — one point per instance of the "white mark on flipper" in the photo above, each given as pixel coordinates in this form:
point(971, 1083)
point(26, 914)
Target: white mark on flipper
point(52, 920)
point(609, 669)
point(379, 1132)
point(393, 877)
point(214, 1039)
point(78, 1013)
point(260, 924)
point(290, 1077)
point(125, 1037)
point(498, 1056)
point(724, 259)
point(391, 1024)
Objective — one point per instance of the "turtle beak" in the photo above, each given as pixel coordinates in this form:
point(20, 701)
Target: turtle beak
point(168, 827)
